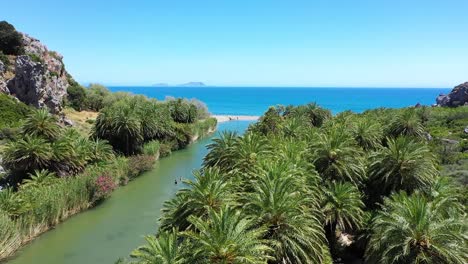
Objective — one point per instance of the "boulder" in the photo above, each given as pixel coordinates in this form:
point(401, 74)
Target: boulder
point(457, 97)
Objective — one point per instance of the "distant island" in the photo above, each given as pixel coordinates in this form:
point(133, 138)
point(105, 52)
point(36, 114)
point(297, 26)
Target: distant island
point(193, 84)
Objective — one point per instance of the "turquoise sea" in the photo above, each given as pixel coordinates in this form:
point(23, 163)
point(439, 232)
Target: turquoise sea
point(255, 100)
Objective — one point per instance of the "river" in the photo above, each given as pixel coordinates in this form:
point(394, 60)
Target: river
point(117, 226)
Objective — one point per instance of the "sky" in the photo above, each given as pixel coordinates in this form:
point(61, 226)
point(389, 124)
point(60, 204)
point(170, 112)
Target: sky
point(319, 43)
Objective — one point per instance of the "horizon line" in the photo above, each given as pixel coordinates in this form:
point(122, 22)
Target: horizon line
point(264, 86)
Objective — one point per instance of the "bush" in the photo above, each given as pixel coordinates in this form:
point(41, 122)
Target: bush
point(77, 97)
point(9, 133)
point(139, 164)
point(35, 58)
point(12, 112)
point(95, 95)
point(151, 148)
point(165, 149)
point(11, 41)
point(4, 59)
point(105, 185)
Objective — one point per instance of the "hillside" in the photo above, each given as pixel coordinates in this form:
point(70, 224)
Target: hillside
point(30, 71)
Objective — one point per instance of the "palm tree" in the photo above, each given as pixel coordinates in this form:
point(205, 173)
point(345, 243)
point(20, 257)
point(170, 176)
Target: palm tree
point(448, 195)
point(227, 238)
point(367, 134)
point(38, 179)
point(121, 127)
point(248, 150)
point(70, 155)
point(411, 229)
point(28, 154)
point(295, 127)
point(41, 123)
point(281, 202)
point(220, 151)
point(315, 114)
point(209, 191)
point(101, 150)
point(406, 123)
point(337, 157)
point(403, 165)
point(162, 249)
point(343, 210)
point(271, 122)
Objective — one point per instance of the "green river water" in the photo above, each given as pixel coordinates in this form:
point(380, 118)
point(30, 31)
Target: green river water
point(117, 226)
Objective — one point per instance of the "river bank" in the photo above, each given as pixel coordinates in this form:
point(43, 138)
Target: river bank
point(119, 224)
point(78, 194)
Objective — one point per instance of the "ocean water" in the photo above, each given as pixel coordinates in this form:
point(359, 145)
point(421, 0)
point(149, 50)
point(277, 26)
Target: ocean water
point(256, 100)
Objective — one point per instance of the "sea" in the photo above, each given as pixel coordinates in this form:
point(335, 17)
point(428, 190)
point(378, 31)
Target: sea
point(256, 100)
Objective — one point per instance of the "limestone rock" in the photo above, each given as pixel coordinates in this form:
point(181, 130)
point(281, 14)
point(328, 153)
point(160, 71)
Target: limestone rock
point(40, 78)
point(457, 97)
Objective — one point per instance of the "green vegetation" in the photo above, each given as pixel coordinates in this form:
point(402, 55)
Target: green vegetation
point(12, 112)
point(54, 172)
point(36, 58)
point(303, 186)
point(11, 41)
point(4, 59)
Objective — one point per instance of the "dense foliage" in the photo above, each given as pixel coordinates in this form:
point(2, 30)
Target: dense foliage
point(11, 41)
point(53, 171)
point(130, 121)
point(12, 113)
point(302, 186)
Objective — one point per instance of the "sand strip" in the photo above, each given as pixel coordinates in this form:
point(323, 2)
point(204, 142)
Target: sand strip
point(227, 118)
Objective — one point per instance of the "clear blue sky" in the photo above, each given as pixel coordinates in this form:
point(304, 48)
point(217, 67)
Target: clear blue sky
point(377, 43)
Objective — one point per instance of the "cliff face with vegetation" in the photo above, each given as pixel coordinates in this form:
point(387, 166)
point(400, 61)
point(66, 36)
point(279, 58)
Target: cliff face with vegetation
point(30, 71)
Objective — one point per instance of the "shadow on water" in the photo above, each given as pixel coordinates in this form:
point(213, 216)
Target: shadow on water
point(117, 226)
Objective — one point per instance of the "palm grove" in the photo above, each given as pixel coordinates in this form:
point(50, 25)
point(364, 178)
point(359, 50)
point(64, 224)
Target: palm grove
point(302, 186)
point(54, 171)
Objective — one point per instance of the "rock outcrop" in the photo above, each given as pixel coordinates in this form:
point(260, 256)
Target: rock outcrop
point(39, 77)
point(3, 84)
point(457, 97)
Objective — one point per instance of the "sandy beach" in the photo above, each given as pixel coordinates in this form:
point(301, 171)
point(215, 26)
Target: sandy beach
point(227, 118)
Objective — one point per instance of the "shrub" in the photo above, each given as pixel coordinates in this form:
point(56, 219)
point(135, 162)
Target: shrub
point(139, 164)
point(151, 148)
point(165, 149)
point(95, 95)
point(35, 58)
point(11, 41)
point(76, 97)
point(105, 184)
point(4, 59)
point(12, 112)
point(9, 133)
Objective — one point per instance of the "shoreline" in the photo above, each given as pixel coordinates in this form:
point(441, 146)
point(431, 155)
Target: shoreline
point(227, 118)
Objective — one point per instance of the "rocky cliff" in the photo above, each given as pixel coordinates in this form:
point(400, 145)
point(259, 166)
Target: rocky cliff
point(457, 97)
point(37, 78)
